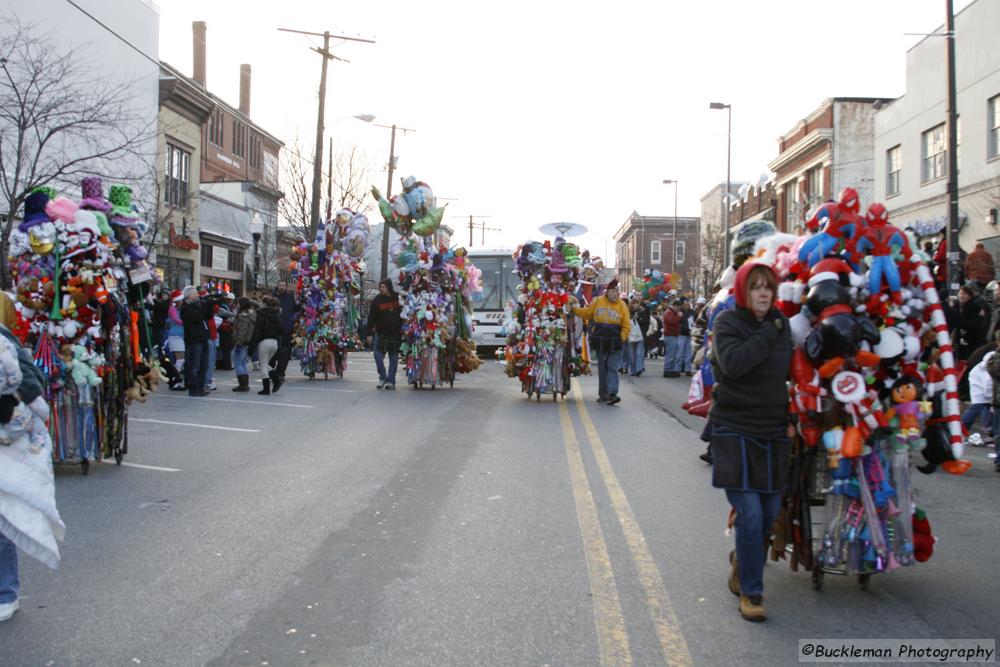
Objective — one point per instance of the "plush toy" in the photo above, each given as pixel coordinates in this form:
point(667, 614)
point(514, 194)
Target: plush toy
point(923, 539)
point(76, 357)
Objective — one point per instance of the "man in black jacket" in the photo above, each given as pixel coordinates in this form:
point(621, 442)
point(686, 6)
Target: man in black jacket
point(384, 317)
point(194, 315)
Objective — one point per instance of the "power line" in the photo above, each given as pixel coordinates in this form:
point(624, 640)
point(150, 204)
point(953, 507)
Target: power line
point(124, 41)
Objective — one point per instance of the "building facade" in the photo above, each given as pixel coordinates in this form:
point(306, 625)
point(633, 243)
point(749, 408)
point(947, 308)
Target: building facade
point(911, 135)
point(712, 230)
point(239, 187)
point(828, 150)
point(184, 108)
point(668, 244)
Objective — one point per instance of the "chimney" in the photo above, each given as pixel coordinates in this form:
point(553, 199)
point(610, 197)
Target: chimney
point(245, 89)
point(198, 28)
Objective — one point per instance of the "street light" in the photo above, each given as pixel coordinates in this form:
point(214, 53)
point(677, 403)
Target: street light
point(673, 262)
point(256, 231)
point(729, 146)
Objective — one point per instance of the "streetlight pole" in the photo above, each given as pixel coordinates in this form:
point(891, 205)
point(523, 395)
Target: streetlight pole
point(673, 247)
point(953, 249)
point(729, 155)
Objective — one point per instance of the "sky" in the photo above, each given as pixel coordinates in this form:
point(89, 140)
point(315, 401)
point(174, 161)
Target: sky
point(545, 111)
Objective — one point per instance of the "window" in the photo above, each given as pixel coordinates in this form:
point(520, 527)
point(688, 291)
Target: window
point(893, 165)
point(206, 254)
point(654, 252)
point(681, 250)
point(814, 178)
point(993, 128)
point(234, 262)
point(255, 151)
point(239, 138)
point(791, 205)
point(215, 133)
point(177, 176)
point(933, 154)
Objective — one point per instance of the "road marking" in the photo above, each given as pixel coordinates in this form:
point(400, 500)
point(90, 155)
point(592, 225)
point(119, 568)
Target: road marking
point(146, 467)
point(236, 400)
point(219, 428)
point(611, 636)
point(307, 388)
point(675, 648)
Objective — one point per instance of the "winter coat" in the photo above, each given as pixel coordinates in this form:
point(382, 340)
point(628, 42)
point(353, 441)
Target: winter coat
point(993, 368)
point(974, 320)
point(611, 323)
point(243, 327)
point(268, 325)
point(672, 323)
point(175, 327)
point(979, 265)
point(980, 382)
point(195, 317)
point(384, 315)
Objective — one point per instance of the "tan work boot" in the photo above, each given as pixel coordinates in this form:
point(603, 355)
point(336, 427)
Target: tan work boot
point(734, 574)
point(752, 608)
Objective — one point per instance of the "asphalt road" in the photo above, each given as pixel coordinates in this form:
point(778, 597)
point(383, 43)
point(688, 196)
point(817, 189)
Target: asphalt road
point(334, 524)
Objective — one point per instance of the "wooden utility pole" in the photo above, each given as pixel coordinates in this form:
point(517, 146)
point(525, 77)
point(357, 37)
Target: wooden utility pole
point(481, 225)
point(329, 185)
point(317, 183)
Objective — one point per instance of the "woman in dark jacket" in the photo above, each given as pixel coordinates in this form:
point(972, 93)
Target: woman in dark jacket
point(974, 320)
point(267, 330)
point(385, 320)
point(750, 432)
point(244, 324)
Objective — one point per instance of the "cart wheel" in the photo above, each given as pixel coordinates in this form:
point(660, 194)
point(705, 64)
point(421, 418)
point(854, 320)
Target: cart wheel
point(118, 456)
point(863, 581)
point(817, 577)
point(85, 466)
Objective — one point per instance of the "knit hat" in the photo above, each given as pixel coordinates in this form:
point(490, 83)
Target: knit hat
point(34, 211)
point(93, 195)
point(122, 214)
point(176, 296)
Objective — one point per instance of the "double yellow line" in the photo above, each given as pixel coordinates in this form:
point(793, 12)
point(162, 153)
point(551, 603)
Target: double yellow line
point(611, 635)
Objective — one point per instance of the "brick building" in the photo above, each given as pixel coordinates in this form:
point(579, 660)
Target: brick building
point(828, 150)
point(649, 242)
point(239, 177)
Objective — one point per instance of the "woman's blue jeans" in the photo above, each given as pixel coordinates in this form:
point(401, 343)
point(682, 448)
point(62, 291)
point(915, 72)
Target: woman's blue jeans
point(9, 584)
point(635, 356)
point(240, 357)
point(755, 514)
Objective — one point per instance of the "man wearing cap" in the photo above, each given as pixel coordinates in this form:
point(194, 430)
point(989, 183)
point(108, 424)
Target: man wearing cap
point(611, 326)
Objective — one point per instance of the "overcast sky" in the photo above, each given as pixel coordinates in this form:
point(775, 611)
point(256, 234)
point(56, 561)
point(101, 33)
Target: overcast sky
point(534, 112)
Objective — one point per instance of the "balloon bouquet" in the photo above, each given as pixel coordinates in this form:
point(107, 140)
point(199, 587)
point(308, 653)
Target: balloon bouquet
point(328, 276)
point(75, 265)
point(543, 347)
point(872, 380)
point(437, 288)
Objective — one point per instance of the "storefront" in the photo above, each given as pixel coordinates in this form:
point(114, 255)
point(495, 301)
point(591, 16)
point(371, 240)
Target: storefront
point(222, 263)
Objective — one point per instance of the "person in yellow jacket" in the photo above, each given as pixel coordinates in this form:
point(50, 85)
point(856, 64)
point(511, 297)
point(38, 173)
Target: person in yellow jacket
point(611, 324)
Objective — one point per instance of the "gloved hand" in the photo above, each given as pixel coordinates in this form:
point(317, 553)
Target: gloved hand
point(7, 404)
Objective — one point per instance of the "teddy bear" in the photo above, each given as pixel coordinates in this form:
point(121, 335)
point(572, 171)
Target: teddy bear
point(76, 357)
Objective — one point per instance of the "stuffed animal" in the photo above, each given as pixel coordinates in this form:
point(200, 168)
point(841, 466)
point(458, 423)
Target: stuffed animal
point(76, 357)
point(923, 539)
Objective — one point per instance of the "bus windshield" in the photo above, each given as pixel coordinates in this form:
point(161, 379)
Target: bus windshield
point(499, 283)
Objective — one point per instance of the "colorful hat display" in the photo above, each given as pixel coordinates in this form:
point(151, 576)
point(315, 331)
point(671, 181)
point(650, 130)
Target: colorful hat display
point(34, 211)
point(93, 195)
point(122, 214)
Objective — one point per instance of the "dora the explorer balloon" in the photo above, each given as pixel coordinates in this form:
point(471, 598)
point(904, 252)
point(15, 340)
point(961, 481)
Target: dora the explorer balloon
point(908, 410)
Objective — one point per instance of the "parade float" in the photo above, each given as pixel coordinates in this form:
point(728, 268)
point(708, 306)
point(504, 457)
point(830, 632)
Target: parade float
point(80, 279)
point(872, 385)
point(437, 288)
point(328, 277)
point(546, 343)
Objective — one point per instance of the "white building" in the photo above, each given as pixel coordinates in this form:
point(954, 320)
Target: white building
point(911, 140)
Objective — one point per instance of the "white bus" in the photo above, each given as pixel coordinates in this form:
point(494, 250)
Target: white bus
point(499, 287)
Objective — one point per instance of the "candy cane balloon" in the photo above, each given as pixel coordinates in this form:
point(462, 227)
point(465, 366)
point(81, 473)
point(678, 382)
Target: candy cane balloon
point(935, 313)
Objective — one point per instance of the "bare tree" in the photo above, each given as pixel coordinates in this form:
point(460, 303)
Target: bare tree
point(351, 178)
point(58, 122)
point(713, 254)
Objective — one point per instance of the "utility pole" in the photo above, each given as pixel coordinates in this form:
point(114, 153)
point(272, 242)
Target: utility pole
point(329, 184)
point(480, 225)
point(317, 183)
point(953, 249)
point(384, 273)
